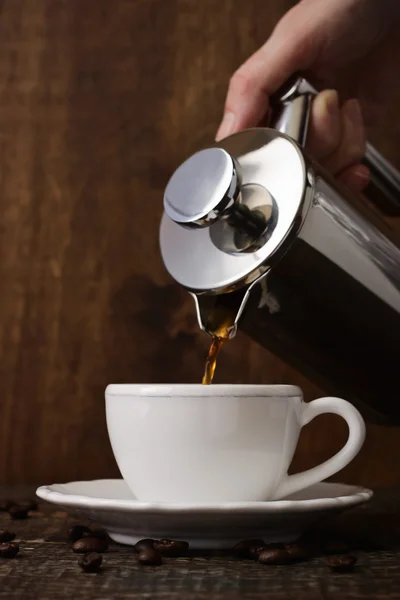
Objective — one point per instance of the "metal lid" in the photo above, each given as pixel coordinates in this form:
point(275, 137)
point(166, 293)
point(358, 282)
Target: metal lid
point(201, 188)
point(204, 256)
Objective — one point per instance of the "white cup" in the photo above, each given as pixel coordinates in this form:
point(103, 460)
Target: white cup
point(203, 444)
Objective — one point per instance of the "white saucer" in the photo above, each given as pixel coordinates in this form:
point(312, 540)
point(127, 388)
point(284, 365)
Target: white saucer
point(111, 504)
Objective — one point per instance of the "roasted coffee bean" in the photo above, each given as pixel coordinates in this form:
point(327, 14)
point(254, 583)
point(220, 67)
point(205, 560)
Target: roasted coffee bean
point(144, 544)
point(6, 504)
point(100, 534)
point(77, 532)
point(245, 548)
point(274, 557)
point(335, 547)
point(6, 536)
point(341, 564)
point(171, 547)
point(90, 544)
point(18, 512)
point(91, 562)
point(9, 550)
point(26, 504)
point(297, 552)
point(29, 504)
point(149, 556)
point(255, 550)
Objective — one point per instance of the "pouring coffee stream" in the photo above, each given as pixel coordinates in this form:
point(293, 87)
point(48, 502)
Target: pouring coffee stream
point(256, 230)
point(220, 326)
point(211, 360)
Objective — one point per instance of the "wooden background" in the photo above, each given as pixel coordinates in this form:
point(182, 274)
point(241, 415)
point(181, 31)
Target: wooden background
point(99, 102)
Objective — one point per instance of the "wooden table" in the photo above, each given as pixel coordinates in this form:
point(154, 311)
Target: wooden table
point(47, 569)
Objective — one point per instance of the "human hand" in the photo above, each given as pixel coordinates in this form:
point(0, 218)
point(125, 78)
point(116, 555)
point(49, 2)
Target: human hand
point(348, 45)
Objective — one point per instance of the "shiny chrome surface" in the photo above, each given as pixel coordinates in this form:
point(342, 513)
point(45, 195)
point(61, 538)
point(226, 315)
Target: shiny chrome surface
point(202, 188)
point(290, 113)
point(381, 165)
point(322, 291)
point(384, 187)
point(206, 190)
point(275, 168)
point(292, 117)
point(331, 306)
point(249, 222)
point(209, 308)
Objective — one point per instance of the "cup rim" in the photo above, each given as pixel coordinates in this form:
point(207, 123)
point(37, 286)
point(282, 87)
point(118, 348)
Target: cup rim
point(154, 390)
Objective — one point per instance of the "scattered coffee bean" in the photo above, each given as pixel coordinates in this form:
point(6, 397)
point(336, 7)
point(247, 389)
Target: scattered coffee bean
point(144, 544)
point(274, 557)
point(29, 504)
point(255, 550)
point(6, 504)
point(149, 556)
point(335, 547)
point(341, 564)
point(245, 548)
point(171, 547)
point(100, 534)
point(77, 532)
point(9, 550)
point(6, 536)
point(91, 562)
point(18, 512)
point(90, 544)
point(297, 552)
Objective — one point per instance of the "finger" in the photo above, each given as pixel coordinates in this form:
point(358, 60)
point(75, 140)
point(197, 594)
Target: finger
point(355, 178)
point(291, 47)
point(325, 125)
point(353, 143)
point(246, 103)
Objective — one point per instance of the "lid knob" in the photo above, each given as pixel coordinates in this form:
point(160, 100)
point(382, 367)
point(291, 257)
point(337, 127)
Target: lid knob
point(202, 188)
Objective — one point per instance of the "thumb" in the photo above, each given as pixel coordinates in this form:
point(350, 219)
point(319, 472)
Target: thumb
point(292, 47)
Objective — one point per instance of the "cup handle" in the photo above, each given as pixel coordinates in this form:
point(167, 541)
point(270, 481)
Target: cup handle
point(337, 406)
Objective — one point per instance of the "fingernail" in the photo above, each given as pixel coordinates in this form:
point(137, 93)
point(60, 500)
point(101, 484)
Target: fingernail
point(332, 102)
point(226, 126)
point(361, 172)
point(355, 178)
point(353, 110)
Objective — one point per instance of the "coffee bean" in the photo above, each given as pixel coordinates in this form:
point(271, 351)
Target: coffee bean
point(149, 556)
point(29, 504)
point(274, 557)
point(297, 552)
point(33, 505)
point(100, 534)
point(255, 550)
point(144, 544)
point(335, 547)
point(6, 504)
point(9, 550)
point(171, 547)
point(244, 549)
point(6, 536)
point(90, 544)
point(341, 564)
point(77, 532)
point(91, 562)
point(18, 512)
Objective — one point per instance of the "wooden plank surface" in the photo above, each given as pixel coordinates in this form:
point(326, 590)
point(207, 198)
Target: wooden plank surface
point(47, 569)
point(99, 102)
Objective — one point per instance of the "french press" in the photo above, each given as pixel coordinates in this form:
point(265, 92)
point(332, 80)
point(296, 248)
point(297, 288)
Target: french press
point(253, 225)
